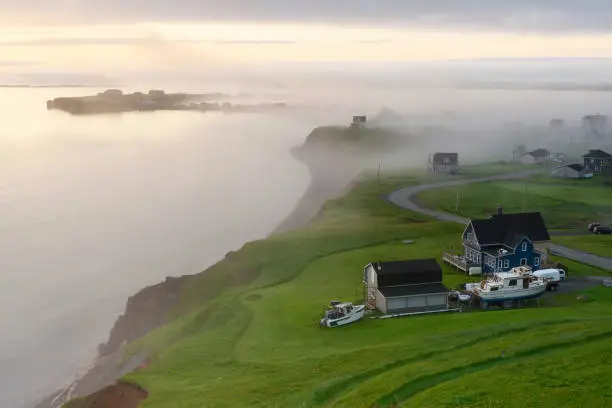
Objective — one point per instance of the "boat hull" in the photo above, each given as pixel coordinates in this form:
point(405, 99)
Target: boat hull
point(503, 296)
point(357, 314)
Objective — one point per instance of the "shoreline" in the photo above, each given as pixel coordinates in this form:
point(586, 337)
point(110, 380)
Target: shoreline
point(106, 369)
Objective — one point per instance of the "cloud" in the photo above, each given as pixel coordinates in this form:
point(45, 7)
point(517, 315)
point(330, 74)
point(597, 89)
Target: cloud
point(69, 41)
point(8, 63)
point(532, 15)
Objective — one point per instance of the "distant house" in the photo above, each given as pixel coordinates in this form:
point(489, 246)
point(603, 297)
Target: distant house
point(359, 121)
point(595, 126)
point(505, 241)
point(156, 93)
point(596, 160)
point(537, 156)
point(405, 286)
point(444, 163)
point(572, 171)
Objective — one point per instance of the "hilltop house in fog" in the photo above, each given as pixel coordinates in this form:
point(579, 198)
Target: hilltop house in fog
point(359, 121)
point(444, 163)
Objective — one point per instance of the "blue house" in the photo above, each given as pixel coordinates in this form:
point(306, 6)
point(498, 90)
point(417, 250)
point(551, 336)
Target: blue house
point(505, 241)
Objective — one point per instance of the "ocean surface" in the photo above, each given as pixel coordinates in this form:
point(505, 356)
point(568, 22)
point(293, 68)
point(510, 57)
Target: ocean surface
point(94, 208)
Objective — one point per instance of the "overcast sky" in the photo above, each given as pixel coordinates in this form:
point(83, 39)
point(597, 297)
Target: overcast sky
point(102, 35)
point(537, 15)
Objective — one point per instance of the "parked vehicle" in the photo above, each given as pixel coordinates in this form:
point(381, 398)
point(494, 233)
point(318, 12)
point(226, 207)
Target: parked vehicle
point(603, 230)
point(593, 225)
point(552, 277)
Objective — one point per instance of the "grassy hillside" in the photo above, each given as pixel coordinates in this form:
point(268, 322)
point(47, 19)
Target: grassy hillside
point(564, 204)
point(259, 345)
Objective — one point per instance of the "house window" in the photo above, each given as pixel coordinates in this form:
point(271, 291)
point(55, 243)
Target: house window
point(524, 247)
point(499, 264)
point(536, 261)
point(512, 282)
point(506, 263)
point(523, 261)
point(468, 236)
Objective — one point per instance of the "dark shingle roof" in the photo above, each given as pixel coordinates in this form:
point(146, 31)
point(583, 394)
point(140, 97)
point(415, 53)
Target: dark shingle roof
point(411, 272)
point(410, 290)
point(510, 229)
point(577, 167)
point(450, 158)
point(540, 153)
point(597, 154)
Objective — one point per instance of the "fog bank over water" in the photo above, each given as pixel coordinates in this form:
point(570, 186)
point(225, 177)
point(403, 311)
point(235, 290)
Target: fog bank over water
point(96, 207)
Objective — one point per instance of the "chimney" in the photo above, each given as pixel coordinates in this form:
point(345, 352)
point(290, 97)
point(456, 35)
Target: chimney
point(499, 210)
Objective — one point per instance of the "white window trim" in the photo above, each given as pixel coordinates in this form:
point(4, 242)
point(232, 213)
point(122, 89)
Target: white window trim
point(524, 247)
point(499, 264)
point(536, 261)
point(506, 263)
point(523, 263)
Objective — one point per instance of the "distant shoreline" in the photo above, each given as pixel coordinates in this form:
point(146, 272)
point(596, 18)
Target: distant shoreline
point(49, 86)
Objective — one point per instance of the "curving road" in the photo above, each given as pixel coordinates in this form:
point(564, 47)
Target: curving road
point(405, 198)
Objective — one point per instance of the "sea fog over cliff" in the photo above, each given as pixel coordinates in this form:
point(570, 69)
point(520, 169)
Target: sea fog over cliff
point(94, 209)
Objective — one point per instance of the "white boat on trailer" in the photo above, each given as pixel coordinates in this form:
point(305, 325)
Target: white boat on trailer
point(340, 314)
point(518, 283)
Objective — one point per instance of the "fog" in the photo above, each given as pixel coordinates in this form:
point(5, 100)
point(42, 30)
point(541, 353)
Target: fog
point(94, 208)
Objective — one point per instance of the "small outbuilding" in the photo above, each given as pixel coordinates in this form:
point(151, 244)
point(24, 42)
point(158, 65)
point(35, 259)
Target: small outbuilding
point(536, 156)
point(405, 286)
point(572, 171)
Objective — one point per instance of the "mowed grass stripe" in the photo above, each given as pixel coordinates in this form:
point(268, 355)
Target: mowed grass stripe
point(411, 388)
point(370, 391)
point(338, 387)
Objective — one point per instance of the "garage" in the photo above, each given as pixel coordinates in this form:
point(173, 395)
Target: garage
point(406, 286)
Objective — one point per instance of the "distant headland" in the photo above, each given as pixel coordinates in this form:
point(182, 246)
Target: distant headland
point(115, 101)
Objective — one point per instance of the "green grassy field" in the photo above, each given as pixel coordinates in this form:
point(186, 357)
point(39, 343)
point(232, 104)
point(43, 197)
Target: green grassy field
point(259, 344)
point(563, 205)
point(594, 244)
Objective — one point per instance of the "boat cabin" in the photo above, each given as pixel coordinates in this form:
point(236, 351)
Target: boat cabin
point(338, 310)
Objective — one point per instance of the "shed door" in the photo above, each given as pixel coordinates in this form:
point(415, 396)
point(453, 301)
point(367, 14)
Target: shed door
point(417, 301)
point(396, 304)
point(436, 300)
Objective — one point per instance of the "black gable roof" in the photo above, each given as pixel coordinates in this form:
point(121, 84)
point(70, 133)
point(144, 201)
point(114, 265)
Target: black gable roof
point(597, 154)
point(577, 167)
point(540, 153)
point(412, 272)
point(510, 229)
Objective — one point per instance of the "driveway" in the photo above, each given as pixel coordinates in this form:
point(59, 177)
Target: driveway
point(406, 198)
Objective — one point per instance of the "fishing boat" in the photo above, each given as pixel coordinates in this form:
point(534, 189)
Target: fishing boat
point(518, 283)
point(339, 314)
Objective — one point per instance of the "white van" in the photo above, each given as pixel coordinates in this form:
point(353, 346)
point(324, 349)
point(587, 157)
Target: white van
point(556, 275)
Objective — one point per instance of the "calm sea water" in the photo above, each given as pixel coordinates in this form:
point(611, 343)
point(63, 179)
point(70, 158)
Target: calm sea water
point(92, 209)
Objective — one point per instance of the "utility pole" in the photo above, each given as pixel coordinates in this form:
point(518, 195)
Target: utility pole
point(457, 201)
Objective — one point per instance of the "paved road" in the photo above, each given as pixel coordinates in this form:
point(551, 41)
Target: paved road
point(405, 198)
